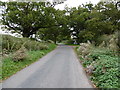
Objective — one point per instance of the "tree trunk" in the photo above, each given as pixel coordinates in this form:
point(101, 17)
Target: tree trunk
point(55, 41)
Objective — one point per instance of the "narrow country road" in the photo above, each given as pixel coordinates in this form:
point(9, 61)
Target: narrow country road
point(58, 69)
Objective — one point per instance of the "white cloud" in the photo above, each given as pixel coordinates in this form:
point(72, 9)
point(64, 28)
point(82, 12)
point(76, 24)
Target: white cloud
point(75, 3)
point(4, 0)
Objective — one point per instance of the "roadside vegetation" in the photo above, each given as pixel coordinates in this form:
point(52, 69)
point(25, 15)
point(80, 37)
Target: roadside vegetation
point(101, 62)
point(95, 28)
point(17, 53)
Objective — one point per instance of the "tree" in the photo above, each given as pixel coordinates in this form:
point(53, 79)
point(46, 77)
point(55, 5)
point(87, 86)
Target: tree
point(87, 22)
point(78, 18)
point(27, 18)
point(90, 22)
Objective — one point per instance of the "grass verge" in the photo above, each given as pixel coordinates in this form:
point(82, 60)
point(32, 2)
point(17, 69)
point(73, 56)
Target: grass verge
point(9, 67)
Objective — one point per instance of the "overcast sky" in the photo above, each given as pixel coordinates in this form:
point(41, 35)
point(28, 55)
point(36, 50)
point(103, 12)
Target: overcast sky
point(75, 3)
point(72, 3)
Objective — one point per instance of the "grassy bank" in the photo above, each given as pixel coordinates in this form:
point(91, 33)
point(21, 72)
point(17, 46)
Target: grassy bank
point(10, 67)
point(17, 53)
point(101, 64)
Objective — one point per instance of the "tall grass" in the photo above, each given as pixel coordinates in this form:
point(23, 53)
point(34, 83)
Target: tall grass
point(11, 44)
point(101, 62)
point(21, 52)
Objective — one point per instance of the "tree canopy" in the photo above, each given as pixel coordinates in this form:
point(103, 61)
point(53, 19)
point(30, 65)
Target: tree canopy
point(86, 22)
point(27, 18)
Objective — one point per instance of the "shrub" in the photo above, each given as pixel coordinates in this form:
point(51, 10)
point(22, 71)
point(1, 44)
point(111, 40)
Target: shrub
point(10, 67)
point(12, 44)
point(102, 44)
point(109, 41)
point(21, 54)
point(84, 49)
point(34, 45)
point(103, 38)
point(113, 44)
point(102, 66)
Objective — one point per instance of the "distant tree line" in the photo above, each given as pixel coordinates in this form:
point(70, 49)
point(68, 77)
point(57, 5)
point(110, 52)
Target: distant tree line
point(86, 22)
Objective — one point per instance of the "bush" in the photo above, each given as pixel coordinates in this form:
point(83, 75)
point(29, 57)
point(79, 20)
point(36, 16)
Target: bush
point(110, 41)
point(21, 54)
point(10, 67)
point(34, 45)
point(103, 38)
point(102, 66)
point(84, 49)
point(113, 44)
point(12, 44)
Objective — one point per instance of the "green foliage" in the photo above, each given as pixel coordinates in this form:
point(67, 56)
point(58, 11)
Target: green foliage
point(59, 31)
point(104, 38)
point(21, 54)
point(10, 67)
point(11, 43)
point(69, 42)
point(109, 41)
point(91, 22)
point(88, 22)
point(105, 72)
point(27, 18)
point(86, 35)
point(99, 24)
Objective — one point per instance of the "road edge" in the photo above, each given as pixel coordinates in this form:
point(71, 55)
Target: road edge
point(90, 82)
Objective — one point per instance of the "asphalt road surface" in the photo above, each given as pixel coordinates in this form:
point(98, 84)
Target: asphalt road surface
point(58, 69)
